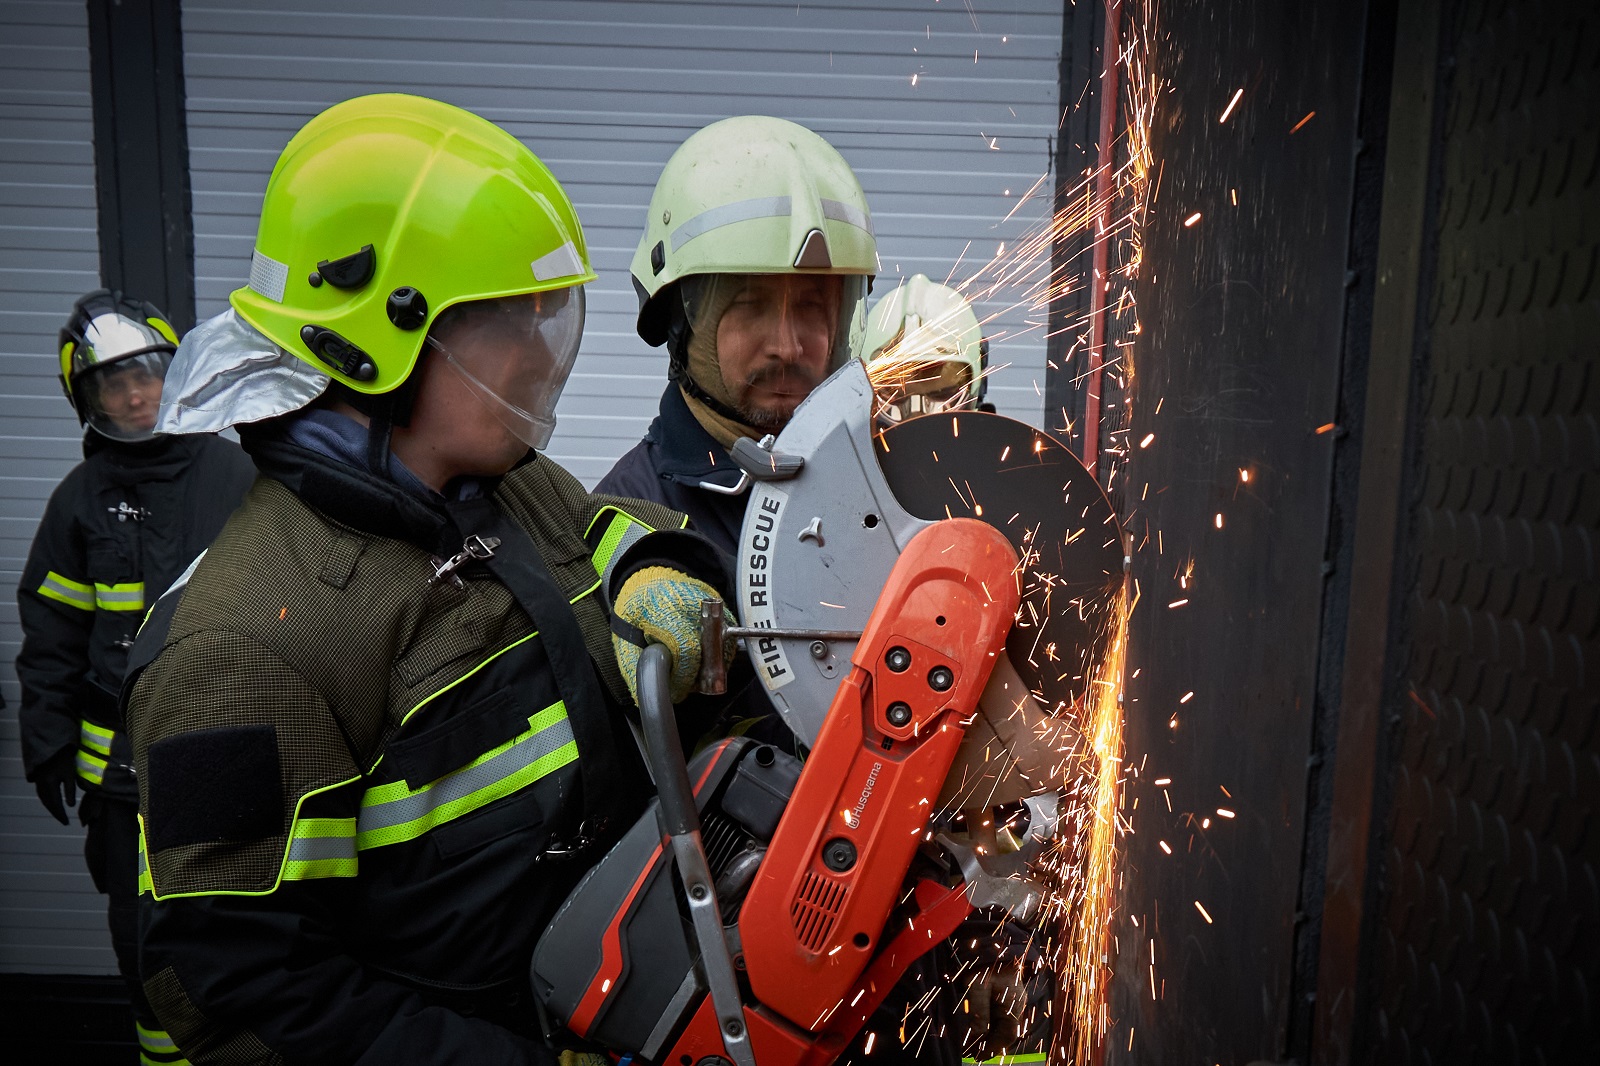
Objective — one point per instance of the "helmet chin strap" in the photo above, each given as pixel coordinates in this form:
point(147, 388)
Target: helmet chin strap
point(679, 333)
point(384, 412)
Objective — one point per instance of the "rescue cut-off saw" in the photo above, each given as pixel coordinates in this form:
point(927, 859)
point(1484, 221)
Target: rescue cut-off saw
point(924, 606)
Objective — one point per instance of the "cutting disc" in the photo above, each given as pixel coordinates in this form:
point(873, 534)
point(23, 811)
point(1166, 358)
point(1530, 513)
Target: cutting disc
point(1027, 484)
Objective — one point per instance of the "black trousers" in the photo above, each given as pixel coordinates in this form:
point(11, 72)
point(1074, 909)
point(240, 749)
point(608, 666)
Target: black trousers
point(112, 851)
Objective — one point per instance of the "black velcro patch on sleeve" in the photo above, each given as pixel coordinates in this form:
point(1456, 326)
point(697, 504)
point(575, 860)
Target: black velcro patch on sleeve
point(214, 786)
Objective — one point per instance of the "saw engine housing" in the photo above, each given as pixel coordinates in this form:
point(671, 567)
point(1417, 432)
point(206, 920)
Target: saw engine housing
point(810, 860)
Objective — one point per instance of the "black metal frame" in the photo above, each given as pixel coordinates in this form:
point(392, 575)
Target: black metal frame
point(1082, 27)
point(141, 152)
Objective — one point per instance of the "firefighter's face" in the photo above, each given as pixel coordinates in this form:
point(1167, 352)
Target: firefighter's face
point(451, 433)
point(774, 342)
point(129, 395)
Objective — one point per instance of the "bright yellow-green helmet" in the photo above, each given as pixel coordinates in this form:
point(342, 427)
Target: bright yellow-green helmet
point(385, 210)
point(924, 350)
point(750, 195)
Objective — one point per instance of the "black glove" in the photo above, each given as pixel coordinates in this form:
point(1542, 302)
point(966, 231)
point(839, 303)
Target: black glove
point(57, 784)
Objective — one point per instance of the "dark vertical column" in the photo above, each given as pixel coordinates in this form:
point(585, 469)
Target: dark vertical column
point(1243, 297)
point(1076, 154)
point(1372, 597)
point(142, 153)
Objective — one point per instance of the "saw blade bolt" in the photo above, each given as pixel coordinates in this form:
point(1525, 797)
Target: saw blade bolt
point(899, 659)
point(819, 649)
point(940, 678)
point(838, 855)
point(899, 714)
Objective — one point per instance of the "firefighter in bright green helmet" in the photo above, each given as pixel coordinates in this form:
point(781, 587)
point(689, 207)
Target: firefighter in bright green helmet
point(376, 725)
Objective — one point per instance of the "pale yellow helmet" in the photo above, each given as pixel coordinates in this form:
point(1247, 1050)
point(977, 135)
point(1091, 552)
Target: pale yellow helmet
point(752, 195)
point(924, 350)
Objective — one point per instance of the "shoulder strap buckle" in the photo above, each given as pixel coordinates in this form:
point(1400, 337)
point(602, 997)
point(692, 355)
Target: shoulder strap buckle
point(474, 549)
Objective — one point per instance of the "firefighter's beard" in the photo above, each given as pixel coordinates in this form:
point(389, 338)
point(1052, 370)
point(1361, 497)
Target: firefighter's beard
point(767, 398)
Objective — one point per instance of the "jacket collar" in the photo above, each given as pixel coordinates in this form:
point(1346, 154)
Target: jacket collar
point(162, 457)
point(687, 453)
point(347, 493)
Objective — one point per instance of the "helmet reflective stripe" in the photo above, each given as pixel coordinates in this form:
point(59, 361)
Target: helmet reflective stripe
point(849, 214)
point(728, 214)
point(77, 594)
point(267, 276)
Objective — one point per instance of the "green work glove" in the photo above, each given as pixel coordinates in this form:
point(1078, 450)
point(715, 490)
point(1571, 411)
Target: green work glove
point(661, 605)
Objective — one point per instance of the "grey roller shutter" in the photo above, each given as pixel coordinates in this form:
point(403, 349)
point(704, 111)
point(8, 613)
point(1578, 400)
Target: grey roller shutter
point(51, 919)
point(604, 91)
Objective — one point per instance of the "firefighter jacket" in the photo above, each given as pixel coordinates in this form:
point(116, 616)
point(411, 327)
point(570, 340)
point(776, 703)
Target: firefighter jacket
point(379, 738)
point(117, 531)
point(674, 463)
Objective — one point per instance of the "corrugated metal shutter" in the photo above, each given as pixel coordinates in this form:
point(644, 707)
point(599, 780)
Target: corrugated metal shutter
point(604, 90)
point(51, 920)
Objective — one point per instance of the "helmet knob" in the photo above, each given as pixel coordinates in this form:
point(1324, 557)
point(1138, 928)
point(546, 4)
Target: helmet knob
point(407, 308)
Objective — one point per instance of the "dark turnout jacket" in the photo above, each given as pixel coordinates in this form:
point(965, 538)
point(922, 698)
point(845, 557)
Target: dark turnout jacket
point(366, 787)
point(117, 531)
point(673, 464)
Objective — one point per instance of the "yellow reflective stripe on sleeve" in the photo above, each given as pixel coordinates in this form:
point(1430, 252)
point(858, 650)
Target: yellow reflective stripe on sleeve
point(393, 813)
point(97, 738)
point(65, 590)
point(155, 1041)
point(91, 767)
point(146, 888)
point(622, 533)
point(1008, 1060)
point(609, 542)
point(321, 847)
point(127, 597)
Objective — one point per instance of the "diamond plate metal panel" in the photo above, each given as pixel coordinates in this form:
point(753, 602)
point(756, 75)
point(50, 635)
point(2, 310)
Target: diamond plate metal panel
point(1488, 929)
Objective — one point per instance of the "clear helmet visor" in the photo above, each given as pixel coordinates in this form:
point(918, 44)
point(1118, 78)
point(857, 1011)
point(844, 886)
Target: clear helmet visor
point(515, 355)
point(906, 388)
point(121, 398)
point(771, 326)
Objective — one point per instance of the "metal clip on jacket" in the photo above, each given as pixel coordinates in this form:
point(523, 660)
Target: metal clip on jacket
point(474, 548)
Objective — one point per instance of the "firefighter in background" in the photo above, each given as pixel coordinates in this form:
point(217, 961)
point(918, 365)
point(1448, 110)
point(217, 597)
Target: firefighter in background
point(753, 269)
point(379, 728)
point(925, 352)
point(117, 531)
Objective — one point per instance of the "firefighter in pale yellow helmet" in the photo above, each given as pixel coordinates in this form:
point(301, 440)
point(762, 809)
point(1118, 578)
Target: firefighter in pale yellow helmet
point(925, 352)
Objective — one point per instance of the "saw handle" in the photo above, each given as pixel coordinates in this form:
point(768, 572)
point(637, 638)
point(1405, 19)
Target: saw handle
point(677, 812)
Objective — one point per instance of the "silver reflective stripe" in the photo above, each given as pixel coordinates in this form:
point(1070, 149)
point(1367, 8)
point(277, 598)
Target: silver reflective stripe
point(466, 781)
point(561, 263)
point(268, 276)
point(183, 578)
point(57, 588)
point(728, 214)
point(310, 849)
point(847, 213)
point(634, 534)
